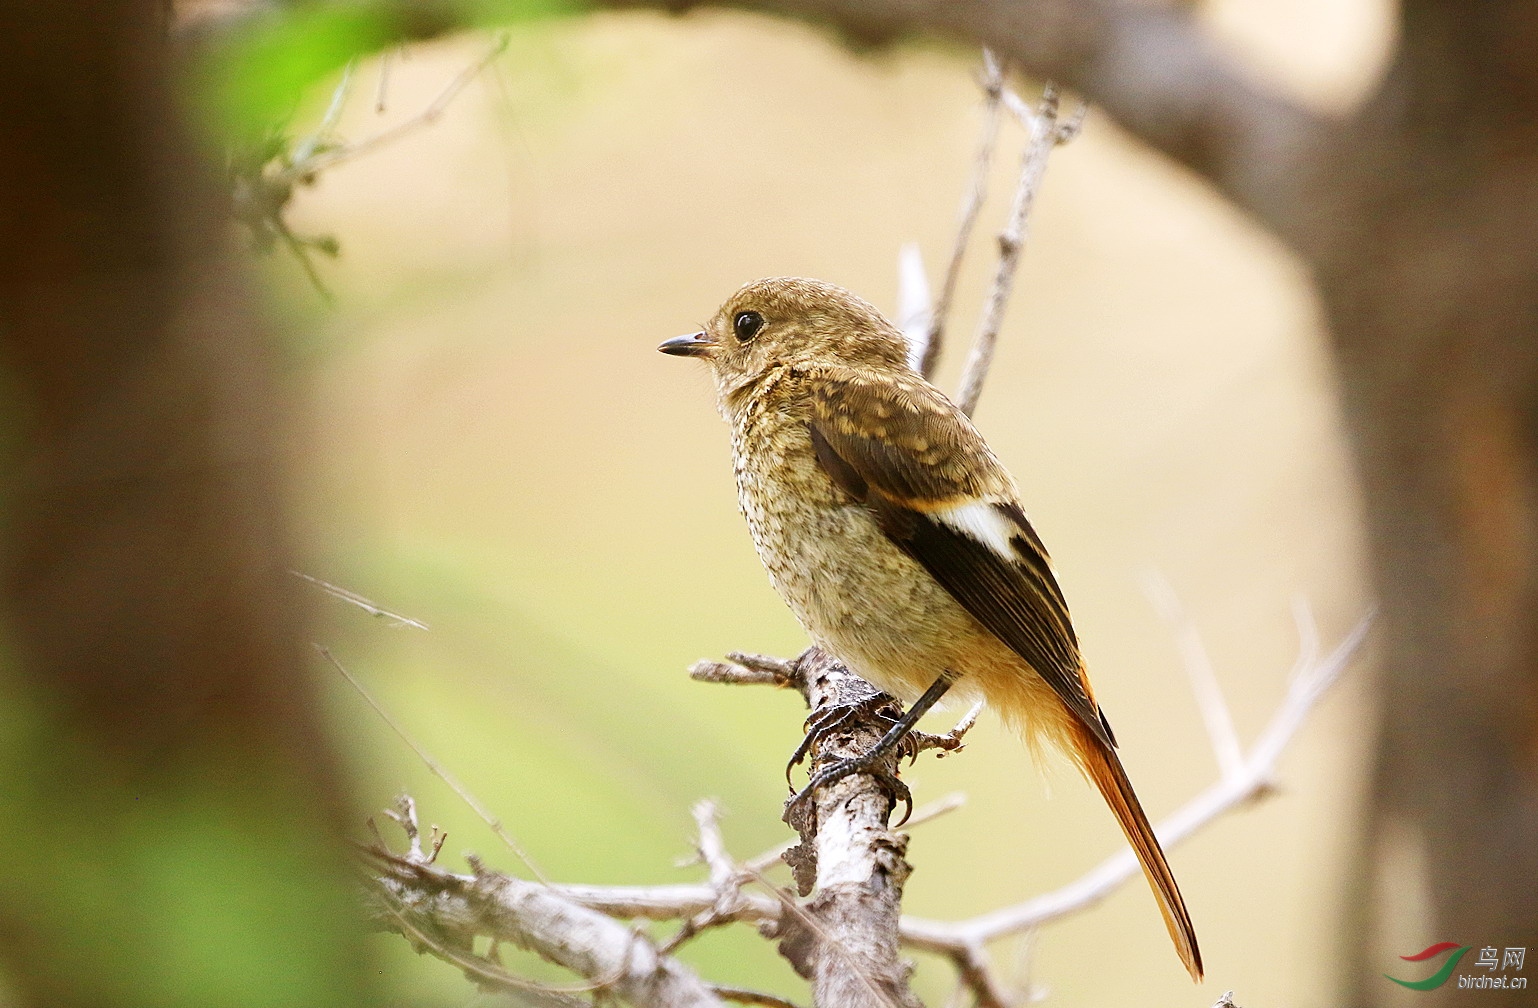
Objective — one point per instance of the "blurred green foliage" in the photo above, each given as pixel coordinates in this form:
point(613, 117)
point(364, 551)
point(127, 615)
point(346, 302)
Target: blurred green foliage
point(257, 74)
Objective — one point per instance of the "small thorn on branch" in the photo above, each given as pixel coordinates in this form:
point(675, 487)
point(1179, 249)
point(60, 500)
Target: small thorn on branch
point(405, 816)
point(951, 741)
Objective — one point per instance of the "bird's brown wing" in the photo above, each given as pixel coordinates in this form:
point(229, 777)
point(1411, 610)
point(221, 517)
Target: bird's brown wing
point(902, 450)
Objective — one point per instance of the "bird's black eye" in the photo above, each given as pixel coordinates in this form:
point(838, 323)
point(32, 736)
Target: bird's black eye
point(747, 324)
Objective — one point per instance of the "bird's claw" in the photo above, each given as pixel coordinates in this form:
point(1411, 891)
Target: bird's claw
point(867, 763)
point(830, 719)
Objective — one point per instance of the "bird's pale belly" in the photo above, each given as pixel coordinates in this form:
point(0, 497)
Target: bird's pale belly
point(854, 592)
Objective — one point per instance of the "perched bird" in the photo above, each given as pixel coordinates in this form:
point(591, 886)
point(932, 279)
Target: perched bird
point(898, 539)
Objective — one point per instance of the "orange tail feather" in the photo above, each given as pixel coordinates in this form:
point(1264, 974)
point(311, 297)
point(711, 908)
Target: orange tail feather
point(1102, 766)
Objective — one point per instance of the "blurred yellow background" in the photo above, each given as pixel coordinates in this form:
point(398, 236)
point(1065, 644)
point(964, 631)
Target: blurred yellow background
point(490, 444)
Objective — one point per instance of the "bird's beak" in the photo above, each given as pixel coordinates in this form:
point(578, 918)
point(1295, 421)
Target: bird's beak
point(693, 345)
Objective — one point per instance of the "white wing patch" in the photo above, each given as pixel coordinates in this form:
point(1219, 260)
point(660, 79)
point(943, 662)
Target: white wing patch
point(982, 522)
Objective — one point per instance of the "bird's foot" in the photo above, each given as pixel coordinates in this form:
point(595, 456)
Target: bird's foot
point(830, 719)
point(872, 763)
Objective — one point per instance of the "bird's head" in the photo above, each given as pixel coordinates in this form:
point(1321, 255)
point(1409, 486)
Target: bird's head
point(787, 321)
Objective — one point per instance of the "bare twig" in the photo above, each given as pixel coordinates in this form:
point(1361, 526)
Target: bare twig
point(1044, 136)
point(362, 603)
point(742, 995)
point(326, 158)
point(992, 81)
point(435, 767)
point(742, 668)
point(712, 845)
point(404, 814)
point(725, 878)
point(1204, 680)
point(950, 741)
point(664, 902)
point(263, 176)
point(444, 912)
point(975, 973)
point(307, 147)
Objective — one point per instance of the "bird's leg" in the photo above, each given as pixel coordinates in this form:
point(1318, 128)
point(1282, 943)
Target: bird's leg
point(868, 761)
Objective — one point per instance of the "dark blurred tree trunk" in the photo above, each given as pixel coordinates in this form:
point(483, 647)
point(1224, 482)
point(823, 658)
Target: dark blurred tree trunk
point(175, 811)
point(1429, 270)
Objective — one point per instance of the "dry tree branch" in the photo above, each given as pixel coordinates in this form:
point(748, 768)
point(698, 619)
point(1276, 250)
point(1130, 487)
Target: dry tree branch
point(927, 357)
point(445, 912)
point(461, 909)
point(1046, 133)
point(725, 878)
point(844, 939)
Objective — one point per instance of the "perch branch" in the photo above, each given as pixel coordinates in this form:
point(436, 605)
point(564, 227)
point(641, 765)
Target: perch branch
point(845, 938)
point(444, 904)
